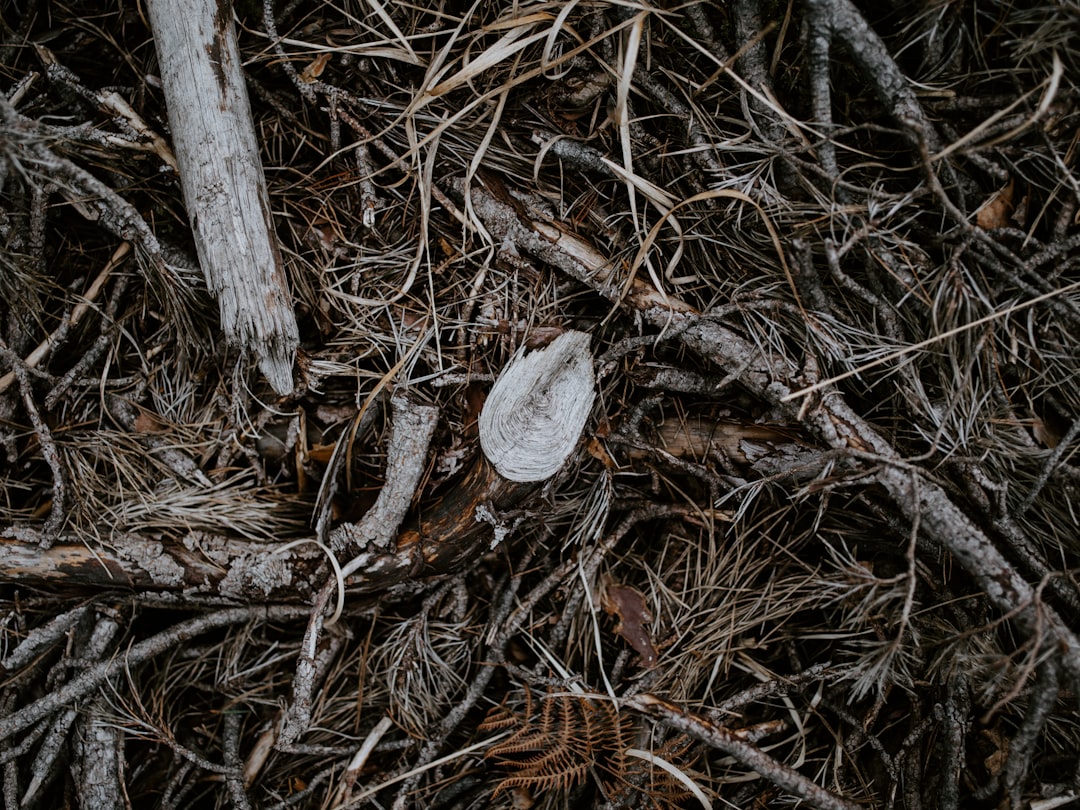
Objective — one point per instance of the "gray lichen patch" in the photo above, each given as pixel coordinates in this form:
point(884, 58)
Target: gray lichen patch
point(257, 576)
point(163, 570)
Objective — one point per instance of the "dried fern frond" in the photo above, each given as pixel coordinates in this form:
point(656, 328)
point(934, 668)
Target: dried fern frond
point(554, 747)
point(558, 744)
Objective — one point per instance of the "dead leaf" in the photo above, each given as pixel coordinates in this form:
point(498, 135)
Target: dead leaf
point(599, 452)
point(1044, 434)
point(146, 422)
point(628, 604)
point(996, 211)
point(321, 453)
point(315, 68)
point(999, 755)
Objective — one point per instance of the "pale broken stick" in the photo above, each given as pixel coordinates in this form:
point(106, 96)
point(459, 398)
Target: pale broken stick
point(223, 182)
point(773, 378)
point(411, 430)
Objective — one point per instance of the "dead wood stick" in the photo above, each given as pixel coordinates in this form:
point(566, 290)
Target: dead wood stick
point(202, 566)
point(406, 456)
point(98, 747)
point(222, 179)
point(356, 764)
point(772, 378)
point(42, 770)
point(57, 515)
point(98, 765)
point(40, 638)
point(315, 659)
point(234, 779)
point(842, 19)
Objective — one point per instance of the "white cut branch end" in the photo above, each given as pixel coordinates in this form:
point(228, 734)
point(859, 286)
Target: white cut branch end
point(535, 413)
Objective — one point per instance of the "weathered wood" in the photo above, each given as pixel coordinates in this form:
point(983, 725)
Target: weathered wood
point(222, 180)
point(533, 418)
point(445, 536)
point(200, 566)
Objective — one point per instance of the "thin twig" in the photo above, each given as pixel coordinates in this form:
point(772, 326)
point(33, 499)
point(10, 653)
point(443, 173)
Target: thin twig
point(148, 648)
point(749, 755)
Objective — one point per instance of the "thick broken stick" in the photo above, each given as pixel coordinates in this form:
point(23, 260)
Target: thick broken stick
point(773, 378)
point(406, 456)
point(201, 566)
point(222, 179)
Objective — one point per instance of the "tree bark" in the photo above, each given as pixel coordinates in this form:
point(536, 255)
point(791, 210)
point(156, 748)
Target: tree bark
point(200, 566)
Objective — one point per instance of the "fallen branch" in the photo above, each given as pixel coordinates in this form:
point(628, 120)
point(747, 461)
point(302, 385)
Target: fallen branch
point(406, 456)
point(733, 744)
point(92, 678)
point(222, 178)
point(201, 566)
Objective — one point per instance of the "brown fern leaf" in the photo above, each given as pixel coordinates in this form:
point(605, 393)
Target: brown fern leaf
point(555, 748)
point(502, 716)
point(559, 769)
point(608, 732)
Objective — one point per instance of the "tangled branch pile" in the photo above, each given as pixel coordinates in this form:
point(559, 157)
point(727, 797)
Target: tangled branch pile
point(821, 525)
